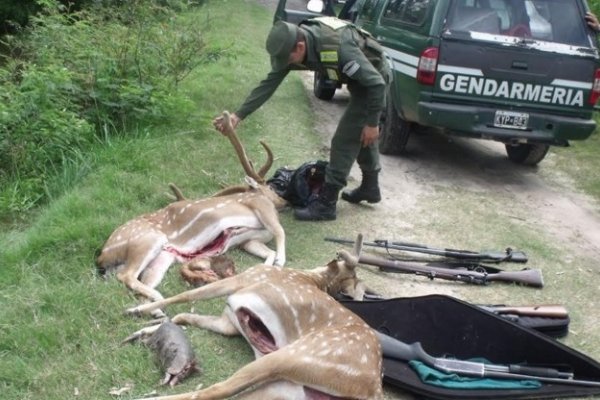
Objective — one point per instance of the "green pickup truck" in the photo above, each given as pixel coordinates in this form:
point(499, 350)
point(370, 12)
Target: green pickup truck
point(524, 73)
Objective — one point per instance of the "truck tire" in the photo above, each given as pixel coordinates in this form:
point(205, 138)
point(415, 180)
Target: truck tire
point(320, 89)
point(527, 153)
point(394, 131)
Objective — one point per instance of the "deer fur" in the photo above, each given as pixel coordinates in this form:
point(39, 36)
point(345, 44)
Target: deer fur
point(307, 345)
point(142, 250)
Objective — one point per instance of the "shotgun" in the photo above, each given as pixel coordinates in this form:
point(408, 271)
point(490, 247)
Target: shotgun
point(527, 277)
point(394, 348)
point(464, 255)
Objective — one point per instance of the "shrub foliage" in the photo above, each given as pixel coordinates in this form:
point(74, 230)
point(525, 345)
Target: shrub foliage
point(72, 79)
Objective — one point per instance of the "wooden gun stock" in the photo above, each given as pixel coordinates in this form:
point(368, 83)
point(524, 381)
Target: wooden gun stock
point(544, 310)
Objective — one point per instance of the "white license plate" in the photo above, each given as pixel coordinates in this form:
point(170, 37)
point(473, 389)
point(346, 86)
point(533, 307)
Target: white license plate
point(511, 119)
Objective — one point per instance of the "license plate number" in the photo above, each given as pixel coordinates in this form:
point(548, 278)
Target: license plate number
point(511, 119)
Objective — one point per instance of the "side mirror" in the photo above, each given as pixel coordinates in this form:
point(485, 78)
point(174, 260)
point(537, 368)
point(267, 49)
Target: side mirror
point(315, 6)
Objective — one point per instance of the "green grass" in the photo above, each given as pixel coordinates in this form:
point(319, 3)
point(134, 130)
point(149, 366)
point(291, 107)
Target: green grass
point(585, 171)
point(61, 325)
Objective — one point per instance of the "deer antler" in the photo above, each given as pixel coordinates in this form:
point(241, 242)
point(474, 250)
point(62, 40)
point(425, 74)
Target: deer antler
point(265, 168)
point(351, 259)
point(241, 153)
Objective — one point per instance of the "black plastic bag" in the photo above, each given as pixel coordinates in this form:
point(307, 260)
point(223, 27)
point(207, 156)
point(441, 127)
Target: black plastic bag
point(299, 186)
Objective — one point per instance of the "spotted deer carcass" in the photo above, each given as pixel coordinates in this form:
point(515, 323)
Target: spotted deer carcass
point(142, 250)
point(307, 345)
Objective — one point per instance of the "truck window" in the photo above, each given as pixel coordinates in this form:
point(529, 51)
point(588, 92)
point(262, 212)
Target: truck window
point(368, 11)
point(559, 21)
point(411, 12)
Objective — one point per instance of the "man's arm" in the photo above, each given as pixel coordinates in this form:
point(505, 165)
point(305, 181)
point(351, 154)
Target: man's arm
point(261, 93)
point(356, 66)
point(257, 98)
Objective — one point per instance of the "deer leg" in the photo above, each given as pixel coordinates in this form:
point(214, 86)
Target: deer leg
point(220, 325)
point(129, 276)
point(270, 220)
point(259, 249)
point(154, 273)
point(212, 323)
point(279, 235)
point(219, 288)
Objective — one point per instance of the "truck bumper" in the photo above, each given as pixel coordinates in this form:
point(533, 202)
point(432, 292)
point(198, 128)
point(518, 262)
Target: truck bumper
point(478, 122)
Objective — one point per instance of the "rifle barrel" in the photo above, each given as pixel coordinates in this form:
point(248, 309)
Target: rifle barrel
point(465, 255)
point(507, 255)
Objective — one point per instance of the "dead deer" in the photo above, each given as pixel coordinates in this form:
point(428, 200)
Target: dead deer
point(142, 250)
point(307, 345)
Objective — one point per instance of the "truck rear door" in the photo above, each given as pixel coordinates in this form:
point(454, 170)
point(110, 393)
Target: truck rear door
point(517, 55)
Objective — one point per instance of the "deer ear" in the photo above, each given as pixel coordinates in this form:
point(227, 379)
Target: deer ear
point(359, 289)
point(251, 182)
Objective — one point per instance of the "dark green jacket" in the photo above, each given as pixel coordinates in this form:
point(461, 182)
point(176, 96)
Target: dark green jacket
point(353, 64)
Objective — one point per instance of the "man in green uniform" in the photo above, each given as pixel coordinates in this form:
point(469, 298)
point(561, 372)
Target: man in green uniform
point(345, 53)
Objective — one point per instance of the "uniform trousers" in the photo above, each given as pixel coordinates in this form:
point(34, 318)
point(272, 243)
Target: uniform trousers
point(346, 145)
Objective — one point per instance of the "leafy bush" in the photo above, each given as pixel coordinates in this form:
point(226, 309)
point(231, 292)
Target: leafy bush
point(39, 126)
point(75, 78)
point(16, 13)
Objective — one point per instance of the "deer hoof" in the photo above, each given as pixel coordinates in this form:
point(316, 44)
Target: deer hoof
point(156, 321)
point(135, 311)
point(279, 263)
point(132, 338)
point(158, 314)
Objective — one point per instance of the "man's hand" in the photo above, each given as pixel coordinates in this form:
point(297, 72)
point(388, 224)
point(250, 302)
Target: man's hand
point(369, 135)
point(220, 126)
point(592, 21)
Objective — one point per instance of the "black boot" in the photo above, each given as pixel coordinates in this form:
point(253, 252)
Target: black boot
point(322, 208)
point(368, 189)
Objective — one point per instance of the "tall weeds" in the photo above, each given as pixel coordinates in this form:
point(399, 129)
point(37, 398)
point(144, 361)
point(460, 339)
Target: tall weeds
point(71, 80)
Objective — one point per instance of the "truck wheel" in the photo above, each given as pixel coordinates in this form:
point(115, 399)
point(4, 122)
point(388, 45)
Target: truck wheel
point(527, 154)
point(394, 131)
point(320, 89)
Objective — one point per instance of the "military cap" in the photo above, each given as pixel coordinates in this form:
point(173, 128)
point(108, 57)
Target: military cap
point(280, 43)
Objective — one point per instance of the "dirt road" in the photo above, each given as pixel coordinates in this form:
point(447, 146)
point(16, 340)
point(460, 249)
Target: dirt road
point(433, 162)
point(448, 191)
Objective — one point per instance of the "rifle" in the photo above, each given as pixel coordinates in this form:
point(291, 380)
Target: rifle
point(394, 348)
point(464, 255)
point(528, 277)
point(545, 310)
